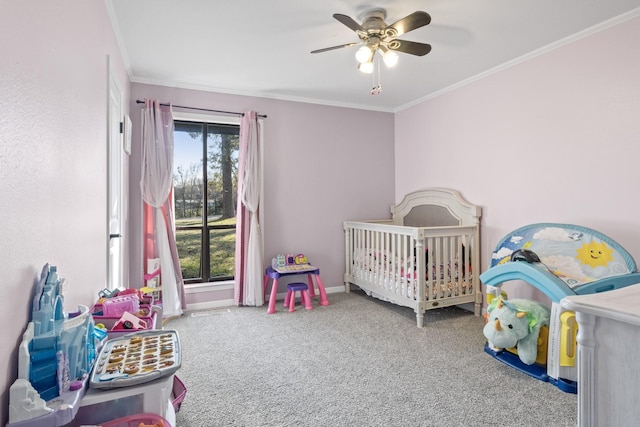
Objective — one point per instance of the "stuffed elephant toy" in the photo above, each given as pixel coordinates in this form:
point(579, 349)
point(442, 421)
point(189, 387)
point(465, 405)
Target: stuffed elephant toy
point(516, 323)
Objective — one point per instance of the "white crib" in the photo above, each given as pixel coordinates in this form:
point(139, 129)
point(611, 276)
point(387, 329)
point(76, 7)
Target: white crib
point(423, 258)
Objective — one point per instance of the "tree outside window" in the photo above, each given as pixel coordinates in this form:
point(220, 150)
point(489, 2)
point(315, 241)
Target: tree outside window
point(205, 187)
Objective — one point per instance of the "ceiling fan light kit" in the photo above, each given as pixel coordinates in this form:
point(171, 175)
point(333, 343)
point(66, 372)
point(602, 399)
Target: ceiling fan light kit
point(366, 67)
point(376, 36)
point(364, 54)
point(390, 58)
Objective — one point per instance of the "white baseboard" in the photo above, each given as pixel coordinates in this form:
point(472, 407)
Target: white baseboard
point(229, 302)
point(209, 305)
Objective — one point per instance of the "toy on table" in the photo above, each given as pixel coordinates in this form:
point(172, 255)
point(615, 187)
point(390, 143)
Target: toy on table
point(129, 321)
point(125, 312)
point(278, 261)
point(136, 358)
point(290, 262)
point(108, 293)
point(152, 294)
point(516, 324)
point(298, 259)
point(117, 306)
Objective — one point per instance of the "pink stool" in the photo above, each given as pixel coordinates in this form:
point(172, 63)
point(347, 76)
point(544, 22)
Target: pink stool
point(290, 297)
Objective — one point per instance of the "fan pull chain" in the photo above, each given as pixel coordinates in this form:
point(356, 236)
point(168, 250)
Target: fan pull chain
point(376, 89)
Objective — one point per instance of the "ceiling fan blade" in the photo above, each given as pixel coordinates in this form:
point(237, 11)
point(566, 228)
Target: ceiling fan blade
point(334, 47)
point(349, 22)
point(413, 48)
point(409, 23)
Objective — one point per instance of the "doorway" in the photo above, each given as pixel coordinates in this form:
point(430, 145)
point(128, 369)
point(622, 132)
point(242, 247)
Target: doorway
point(115, 179)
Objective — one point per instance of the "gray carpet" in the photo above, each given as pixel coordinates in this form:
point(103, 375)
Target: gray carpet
point(356, 362)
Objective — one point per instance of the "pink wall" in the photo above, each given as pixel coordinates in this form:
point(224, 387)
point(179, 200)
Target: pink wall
point(322, 165)
point(553, 139)
point(53, 145)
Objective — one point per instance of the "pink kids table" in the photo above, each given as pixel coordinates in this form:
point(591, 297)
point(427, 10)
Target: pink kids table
point(275, 274)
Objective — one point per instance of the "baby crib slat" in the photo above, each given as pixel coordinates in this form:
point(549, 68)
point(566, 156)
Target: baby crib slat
point(379, 257)
point(409, 278)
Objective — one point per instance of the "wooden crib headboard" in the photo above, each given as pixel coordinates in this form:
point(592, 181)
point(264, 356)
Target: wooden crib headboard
point(435, 207)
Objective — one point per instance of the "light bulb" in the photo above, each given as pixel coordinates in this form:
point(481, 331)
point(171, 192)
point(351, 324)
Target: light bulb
point(362, 55)
point(366, 67)
point(390, 58)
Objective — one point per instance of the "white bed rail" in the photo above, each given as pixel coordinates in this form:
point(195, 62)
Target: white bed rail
point(418, 267)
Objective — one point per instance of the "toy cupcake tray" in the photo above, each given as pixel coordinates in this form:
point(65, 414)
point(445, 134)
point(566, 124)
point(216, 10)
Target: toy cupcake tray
point(136, 358)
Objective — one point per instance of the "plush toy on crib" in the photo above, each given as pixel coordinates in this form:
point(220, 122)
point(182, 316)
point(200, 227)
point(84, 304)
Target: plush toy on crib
point(516, 323)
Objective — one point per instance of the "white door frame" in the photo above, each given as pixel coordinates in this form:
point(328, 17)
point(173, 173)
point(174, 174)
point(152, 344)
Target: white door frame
point(115, 192)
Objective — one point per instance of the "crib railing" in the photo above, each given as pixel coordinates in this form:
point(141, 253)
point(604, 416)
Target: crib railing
point(414, 263)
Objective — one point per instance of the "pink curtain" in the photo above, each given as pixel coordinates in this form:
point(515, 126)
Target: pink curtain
point(249, 272)
point(157, 185)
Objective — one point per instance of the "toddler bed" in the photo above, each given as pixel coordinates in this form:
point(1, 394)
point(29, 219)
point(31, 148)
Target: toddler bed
point(422, 258)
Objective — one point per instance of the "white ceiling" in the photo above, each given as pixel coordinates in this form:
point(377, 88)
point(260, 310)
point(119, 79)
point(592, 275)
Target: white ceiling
point(262, 47)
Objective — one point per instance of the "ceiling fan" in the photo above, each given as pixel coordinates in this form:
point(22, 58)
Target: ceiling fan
point(376, 36)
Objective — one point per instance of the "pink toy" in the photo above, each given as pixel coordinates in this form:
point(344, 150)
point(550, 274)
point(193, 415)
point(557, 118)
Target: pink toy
point(290, 259)
point(116, 306)
point(140, 420)
point(130, 321)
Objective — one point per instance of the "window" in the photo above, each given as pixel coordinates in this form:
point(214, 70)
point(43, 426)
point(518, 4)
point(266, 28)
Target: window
point(205, 186)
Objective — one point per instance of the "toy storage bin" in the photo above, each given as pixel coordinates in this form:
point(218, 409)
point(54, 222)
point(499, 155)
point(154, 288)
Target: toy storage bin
point(144, 309)
point(178, 393)
point(110, 322)
point(151, 319)
point(101, 406)
point(135, 420)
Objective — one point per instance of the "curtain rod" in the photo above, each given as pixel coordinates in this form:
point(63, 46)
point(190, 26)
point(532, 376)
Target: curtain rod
point(264, 116)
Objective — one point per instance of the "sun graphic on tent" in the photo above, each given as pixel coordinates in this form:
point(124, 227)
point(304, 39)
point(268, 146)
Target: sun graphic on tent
point(595, 254)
